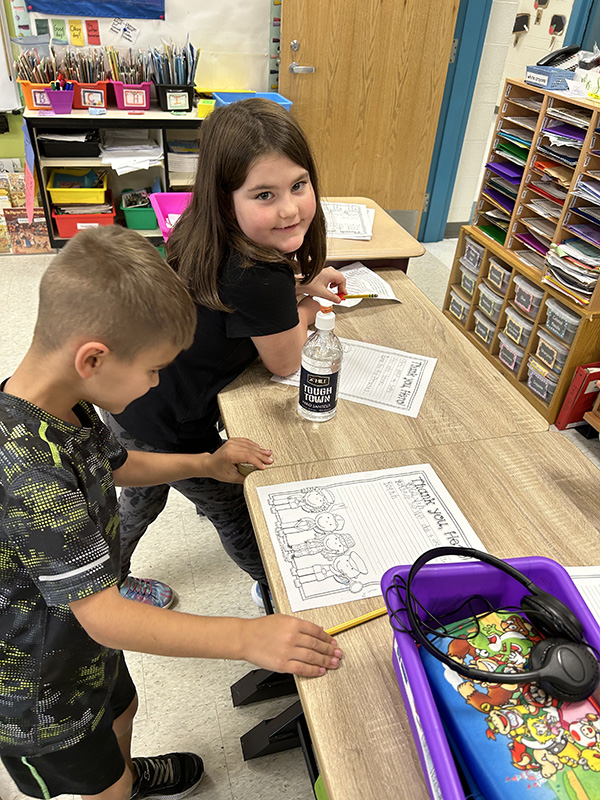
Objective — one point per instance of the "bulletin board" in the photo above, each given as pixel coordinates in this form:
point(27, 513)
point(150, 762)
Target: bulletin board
point(233, 37)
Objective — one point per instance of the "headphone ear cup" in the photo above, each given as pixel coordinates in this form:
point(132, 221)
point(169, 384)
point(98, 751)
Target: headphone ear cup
point(551, 617)
point(567, 671)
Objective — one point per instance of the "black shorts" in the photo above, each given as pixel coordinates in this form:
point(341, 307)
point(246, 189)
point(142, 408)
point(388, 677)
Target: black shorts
point(88, 767)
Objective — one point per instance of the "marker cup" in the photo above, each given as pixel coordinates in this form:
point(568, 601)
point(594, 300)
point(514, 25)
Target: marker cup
point(60, 100)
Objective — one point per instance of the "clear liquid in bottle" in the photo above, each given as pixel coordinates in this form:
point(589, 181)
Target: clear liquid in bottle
point(320, 370)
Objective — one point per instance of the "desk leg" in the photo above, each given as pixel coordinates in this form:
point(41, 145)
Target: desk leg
point(261, 684)
point(273, 735)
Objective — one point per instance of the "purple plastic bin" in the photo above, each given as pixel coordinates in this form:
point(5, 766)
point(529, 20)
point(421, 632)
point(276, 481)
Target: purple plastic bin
point(165, 203)
point(440, 587)
point(132, 95)
point(60, 100)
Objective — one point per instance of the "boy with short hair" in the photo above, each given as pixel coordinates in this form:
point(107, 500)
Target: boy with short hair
point(111, 314)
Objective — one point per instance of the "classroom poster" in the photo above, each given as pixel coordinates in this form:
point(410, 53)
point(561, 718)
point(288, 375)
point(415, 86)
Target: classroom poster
point(127, 9)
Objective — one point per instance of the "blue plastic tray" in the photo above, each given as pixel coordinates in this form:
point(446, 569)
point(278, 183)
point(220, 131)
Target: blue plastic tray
point(224, 98)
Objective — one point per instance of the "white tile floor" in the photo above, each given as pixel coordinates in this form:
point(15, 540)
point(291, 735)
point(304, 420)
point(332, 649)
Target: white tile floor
point(186, 704)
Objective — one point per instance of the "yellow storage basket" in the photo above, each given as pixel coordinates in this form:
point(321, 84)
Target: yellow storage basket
point(75, 195)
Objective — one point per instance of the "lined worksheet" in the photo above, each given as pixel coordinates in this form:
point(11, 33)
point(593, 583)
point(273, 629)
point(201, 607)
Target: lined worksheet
point(335, 537)
point(380, 376)
point(587, 581)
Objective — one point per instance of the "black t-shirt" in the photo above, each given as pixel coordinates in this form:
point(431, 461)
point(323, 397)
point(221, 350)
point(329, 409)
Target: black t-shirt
point(179, 414)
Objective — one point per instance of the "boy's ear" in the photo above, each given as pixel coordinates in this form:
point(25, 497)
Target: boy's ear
point(89, 359)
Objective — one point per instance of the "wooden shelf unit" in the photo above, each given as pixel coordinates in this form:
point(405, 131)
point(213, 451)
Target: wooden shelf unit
point(522, 214)
point(584, 348)
point(525, 112)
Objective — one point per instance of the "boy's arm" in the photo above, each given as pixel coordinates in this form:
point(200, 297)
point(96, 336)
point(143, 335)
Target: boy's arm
point(151, 469)
point(275, 642)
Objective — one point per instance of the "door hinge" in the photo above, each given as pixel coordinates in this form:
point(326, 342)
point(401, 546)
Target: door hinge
point(453, 51)
point(426, 203)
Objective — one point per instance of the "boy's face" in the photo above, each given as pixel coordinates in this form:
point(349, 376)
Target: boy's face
point(120, 382)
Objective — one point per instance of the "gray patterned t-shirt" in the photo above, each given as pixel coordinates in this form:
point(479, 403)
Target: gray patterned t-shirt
point(59, 543)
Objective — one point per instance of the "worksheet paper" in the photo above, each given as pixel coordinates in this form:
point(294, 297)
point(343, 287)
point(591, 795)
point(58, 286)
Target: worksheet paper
point(335, 537)
point(380, 377)
point(348, 220)
point(362, 280)
point(587, 581)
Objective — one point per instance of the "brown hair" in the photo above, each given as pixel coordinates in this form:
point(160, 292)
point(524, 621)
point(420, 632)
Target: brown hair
point(231, 139)
point(110, 284)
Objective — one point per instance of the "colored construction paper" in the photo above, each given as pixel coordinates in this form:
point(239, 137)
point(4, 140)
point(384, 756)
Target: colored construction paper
point(76, 31)
point(93, 31)
point(59, 31)
point(42, 26)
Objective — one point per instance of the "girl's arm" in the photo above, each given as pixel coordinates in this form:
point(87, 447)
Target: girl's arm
point(151, 469)
point(281, 353)
point(275, 642)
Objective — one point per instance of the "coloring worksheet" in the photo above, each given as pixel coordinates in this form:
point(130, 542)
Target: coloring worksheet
point(348, 220)
point(380, 376)
point(335, 537)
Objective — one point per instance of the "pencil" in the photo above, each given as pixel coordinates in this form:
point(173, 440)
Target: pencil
point(352, 623)
point(352, 296)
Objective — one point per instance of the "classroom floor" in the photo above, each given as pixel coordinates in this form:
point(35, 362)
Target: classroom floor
point(185, 704)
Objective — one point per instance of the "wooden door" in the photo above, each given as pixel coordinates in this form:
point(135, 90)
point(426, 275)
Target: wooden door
point(371, 107)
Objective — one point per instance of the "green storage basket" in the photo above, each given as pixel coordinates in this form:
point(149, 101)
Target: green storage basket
point(140, 219)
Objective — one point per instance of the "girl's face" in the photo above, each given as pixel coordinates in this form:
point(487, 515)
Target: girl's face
point(276, 203)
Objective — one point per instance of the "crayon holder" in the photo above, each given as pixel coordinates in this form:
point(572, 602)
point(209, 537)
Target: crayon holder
point(35, 95)
point(60, 100)
point(175, 97)
point(132, 95)
point(89, 95)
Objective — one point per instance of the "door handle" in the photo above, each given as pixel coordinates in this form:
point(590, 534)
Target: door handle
point(296, 69)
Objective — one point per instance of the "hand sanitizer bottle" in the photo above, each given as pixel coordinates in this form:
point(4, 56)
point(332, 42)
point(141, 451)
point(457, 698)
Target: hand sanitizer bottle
point(320, 370)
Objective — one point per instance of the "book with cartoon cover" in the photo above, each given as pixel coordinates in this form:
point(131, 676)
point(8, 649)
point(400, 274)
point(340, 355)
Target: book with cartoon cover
point(512, 741)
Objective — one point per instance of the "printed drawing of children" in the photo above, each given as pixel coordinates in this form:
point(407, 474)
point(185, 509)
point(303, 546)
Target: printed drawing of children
point(326, 540)
point(308, 499)
point(330, 546)
point(344, 570)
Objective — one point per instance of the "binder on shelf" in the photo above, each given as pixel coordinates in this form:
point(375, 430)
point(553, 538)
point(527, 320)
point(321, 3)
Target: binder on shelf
point(580, 397)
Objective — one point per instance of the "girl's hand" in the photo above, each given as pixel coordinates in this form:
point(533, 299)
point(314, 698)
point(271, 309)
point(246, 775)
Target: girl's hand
point(319, 287)
point(222, 464)
point(289, 644)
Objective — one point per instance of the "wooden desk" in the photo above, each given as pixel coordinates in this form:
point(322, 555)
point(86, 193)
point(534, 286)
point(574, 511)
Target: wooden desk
point(523, 495)
point(390, 245)
point(466, 399)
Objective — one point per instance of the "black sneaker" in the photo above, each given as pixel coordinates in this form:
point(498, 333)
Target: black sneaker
point(167, 777)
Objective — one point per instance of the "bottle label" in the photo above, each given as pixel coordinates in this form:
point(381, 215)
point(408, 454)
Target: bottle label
point(318, 392)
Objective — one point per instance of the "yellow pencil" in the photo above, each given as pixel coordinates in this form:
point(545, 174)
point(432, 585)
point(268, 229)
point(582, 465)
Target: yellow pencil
point(352, 296)
point(344, 626)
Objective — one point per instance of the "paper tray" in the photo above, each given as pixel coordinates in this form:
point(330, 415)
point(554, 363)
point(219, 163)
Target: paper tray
point(440, 587)
point(165, 203)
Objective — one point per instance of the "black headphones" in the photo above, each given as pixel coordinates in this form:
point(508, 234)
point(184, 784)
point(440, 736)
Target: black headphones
point(561, 664)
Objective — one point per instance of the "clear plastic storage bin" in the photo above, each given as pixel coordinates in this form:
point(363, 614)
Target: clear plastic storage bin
point(499, 275)
point(484, 327)
point(551, 352)
point(541, 380)
point(473, 254)
point(468, 278)
point(510, 354)
point(561, 321)
point(518, 328)
point(458, 306)
point(490, 302)
point(527, 296)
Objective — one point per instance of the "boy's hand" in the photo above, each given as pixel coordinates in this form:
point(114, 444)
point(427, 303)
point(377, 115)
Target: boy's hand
point(289, 644)
point(319, 286)
point(222, 464)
